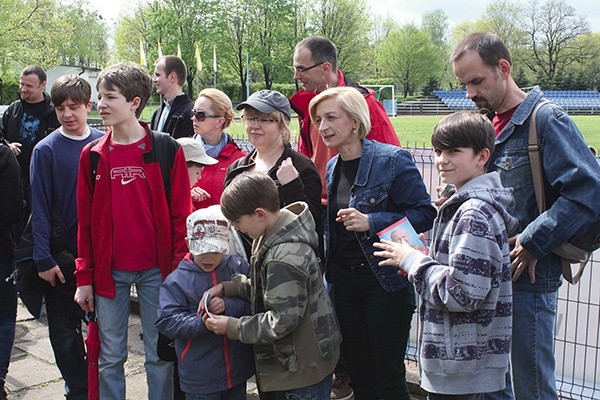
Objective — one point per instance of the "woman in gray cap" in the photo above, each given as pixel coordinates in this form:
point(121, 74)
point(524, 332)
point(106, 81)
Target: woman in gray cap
point(266, 118)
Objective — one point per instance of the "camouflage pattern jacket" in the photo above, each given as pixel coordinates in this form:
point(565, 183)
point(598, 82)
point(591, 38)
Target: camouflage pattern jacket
point(293, 326)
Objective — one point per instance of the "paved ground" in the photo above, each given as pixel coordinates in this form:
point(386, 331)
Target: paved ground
point(33, 375)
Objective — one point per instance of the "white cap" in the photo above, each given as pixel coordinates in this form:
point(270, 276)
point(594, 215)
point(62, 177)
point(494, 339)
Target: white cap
point(194, 151)
point(208, 231)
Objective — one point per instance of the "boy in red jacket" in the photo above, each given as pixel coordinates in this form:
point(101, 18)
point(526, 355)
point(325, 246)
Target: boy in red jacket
point(131, 226)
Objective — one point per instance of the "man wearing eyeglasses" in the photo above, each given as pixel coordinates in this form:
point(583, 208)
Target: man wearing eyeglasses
point(173, 116)
point(315, 67)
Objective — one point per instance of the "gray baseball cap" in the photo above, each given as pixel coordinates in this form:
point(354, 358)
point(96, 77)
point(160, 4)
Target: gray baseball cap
point(266, 102)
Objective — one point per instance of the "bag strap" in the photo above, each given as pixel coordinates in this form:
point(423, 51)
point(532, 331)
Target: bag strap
point(538, 185)
point(535, 160)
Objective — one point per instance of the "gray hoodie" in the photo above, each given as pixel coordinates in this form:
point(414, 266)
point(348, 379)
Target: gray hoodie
point(466, 290)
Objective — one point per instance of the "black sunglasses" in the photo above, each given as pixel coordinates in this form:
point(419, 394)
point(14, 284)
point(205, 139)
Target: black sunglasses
point(201, 115)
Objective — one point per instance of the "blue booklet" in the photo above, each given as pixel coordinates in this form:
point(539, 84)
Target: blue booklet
point(403, 232)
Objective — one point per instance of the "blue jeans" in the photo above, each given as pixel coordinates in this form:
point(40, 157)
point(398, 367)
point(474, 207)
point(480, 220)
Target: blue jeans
point(235, 393)
point(8, 317)
point(532, 358)
point(113, 318)
point(318, 391)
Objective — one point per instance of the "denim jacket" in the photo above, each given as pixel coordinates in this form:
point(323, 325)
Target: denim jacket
point(388, 187)
point(571, 180)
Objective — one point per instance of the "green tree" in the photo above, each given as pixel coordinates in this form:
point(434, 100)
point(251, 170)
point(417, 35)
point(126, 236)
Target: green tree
point(553, 30)
point(408, 55)
point(347, 24)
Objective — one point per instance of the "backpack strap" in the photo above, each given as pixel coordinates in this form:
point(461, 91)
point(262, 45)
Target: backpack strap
point(164, 148)
point(538, 185)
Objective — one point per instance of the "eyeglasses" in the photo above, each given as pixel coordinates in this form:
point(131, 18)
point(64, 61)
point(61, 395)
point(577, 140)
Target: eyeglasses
point(201, 115)
point(304, 69)
point(260, 121)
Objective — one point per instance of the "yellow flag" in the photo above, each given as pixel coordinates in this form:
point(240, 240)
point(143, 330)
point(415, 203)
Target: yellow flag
point(198, 59)
point(142, 54)
point(178, 50)
point(160, 54)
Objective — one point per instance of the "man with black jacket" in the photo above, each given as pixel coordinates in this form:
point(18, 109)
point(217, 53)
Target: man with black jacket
point(173, 116)
point(24, 123)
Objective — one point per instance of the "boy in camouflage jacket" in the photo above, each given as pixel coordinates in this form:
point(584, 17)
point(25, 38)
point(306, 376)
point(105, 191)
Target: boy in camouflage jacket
point(293, 326)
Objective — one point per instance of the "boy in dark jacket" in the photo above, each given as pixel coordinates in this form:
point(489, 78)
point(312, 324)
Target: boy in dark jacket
point(54, 165)
point(208, 364)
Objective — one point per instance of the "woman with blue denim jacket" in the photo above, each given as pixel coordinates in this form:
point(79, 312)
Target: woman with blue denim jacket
point(369, 186)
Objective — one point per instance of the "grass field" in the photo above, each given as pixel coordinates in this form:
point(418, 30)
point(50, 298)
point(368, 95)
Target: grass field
point(415, 130)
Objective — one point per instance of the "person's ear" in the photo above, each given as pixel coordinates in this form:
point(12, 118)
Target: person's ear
point(261, 213)
point(187, 242)
point(135, 103)
point(88, 106)
point(483, 157)
point(505, 68)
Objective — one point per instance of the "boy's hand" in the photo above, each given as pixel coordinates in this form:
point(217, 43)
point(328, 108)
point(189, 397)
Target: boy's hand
point(393, 253)
point(51, 275)
point(216, 305)
point(218, 324)
point(215, 293)
point(84, 296)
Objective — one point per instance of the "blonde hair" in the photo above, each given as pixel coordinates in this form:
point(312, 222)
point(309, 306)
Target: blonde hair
point(221, 104)
point(350, 101)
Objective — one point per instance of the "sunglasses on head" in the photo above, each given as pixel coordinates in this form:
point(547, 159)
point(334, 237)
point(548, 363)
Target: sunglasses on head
point(201, 115)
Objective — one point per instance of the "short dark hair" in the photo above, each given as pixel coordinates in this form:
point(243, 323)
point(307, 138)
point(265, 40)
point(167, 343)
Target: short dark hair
point(247, 192)
point(464, 129)
point(35, 70)
point(489, 46)
point(321, 49)
point(71, 87)
point(175, 64)
point(130, 80)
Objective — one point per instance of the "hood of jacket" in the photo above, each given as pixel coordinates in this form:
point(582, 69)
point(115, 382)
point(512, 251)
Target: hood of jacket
point(488, 188)
point(296, 225)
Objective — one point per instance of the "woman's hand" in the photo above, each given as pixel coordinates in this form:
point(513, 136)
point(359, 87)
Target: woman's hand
point(353, 220)
point(286, 172)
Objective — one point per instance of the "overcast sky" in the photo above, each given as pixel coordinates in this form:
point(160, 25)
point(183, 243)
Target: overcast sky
point(403, 11)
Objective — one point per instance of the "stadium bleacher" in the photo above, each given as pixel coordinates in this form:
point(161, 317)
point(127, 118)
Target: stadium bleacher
point(575, 101)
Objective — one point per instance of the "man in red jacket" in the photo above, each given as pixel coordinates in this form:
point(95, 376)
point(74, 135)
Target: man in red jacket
point(315, 66)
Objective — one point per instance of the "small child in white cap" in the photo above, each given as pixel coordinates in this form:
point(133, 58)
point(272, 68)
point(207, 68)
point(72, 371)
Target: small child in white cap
point(195, 158)
point(225, 364)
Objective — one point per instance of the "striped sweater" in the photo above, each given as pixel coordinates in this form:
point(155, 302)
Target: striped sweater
point(466, 291)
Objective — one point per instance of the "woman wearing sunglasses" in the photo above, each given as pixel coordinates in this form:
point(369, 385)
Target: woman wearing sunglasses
point(266, 118)
point(212, 114)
